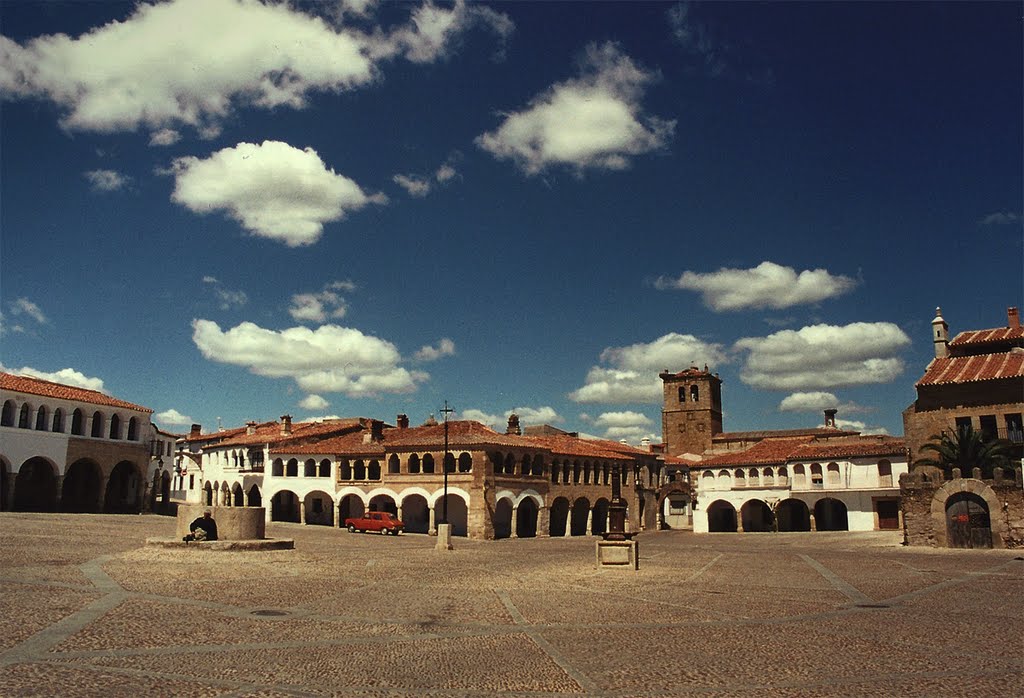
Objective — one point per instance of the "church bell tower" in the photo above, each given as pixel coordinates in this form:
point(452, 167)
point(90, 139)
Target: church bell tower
point(692, 410)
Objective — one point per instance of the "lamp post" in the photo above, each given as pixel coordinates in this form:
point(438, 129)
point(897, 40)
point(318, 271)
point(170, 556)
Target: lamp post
point(444, 463)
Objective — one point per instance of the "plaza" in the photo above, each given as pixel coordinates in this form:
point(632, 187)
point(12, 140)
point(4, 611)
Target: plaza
point(89, 610)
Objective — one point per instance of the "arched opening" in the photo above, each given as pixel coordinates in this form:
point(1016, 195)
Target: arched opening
point(384, 502)
point(165, 491)
point(723, 481)
point(291, 469)
point(510, 465)
point(526, 518)
point(115, 426)
point(123, 490)
point(344, 470)
point(35, 486)
point(600, 519)
point(394, 465)
point(359, 470)
point(41, 419)
point(97, 424)
point(415, 514)
point(721, 517)
point(309, 468)
point(707, 481)
point(133, 429)
point(968, 524)
point(414, 464)
point(237, 496)
point(81, 491)
point(77, 423)
point(465, 463)
point(208, 494)
point(325, 468)
point(7, 420)
point(350, 507)
point(694, 393)
point(24, 416)
point(793, 515)
point(757, 517)
point(537, 469)
point(502, 519)
point(58, 421)
point(5, 485)
point(558, 519)
point(830, 515)
point(580, 514)
point(832, 475)
point(319, 509)
point(449, 463)
point(255, 498)
point(284, 506)
point(373, 470)
point(458, 514)
point(428, 463)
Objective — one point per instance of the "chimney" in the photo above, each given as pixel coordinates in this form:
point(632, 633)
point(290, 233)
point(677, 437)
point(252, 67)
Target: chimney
point(940, 335)
point(403, 421)
point(250, 428)
point(286, 425)
point(1013, 318)
point(197, 430)
point(645, 444)
point(830, 418)
point(377, 430)
point(513, 425)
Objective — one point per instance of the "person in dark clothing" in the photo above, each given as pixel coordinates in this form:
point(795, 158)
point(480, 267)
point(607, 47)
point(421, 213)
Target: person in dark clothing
point(203, 528)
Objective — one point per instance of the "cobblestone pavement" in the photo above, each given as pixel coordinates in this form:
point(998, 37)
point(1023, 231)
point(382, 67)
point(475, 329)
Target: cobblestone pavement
point(87, 610)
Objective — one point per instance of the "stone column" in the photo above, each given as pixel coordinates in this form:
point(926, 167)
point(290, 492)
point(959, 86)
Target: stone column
point(568, 522)
point(814, 524)
point(302, 512)
point(335, 513)
point(433, 524)
point(102, 499)
point(399, 514)
point(590, 522)
point(543, 522)
point(515, 522)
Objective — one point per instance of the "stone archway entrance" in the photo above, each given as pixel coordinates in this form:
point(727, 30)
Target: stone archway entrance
point(721, 517)
point(968, 524)
point(793, 515)
point(502, 520)
point(830, 514)
point(757, 517)
point(526, 518)
point(123, 490)
point(35, 486)
point(82, 488)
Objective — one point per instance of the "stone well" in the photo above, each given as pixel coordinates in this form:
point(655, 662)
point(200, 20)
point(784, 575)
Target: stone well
point(233, 523)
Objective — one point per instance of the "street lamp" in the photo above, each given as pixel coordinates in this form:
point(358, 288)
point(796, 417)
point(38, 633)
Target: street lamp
point(444, 463)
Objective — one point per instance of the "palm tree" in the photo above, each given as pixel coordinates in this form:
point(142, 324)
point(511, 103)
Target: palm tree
point(966, 449)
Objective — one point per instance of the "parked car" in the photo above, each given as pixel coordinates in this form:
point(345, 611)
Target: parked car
point(375, 521)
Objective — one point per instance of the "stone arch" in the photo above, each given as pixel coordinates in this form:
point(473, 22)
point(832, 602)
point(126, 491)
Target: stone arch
point(41, 416)
point(97, 424)
point(7, 420)
point(133, 429)
point(57, 425)
point(707, 481)
point(558, 520)
point(291, 468)
point(350, 506)
point(373, 470)
point(384, 501)
point(599, 521)
point(344, 469)
point(537, 467)
point(415, 511)
point(318, 508)
point(78, 423)
point(277, 468)
point(284, 506)
point(832, 476)
point(580, 514)
point(82, 487)
point(449, 463)
point(25, 416)
point(721, 517)
point(502, 518)
point(394, 464)
point(526, 518)
point(465, 464)
point(237, 495)
point(309, 468)
point(793, 515)
point(255, 498)
point(756, 516)
point(325, 468)
point(208, 494)
point(830, 514)
point(427, 462)
point(970, 486)
point(458, 512)
point(225, 494)
point(35, 486)
point(723, 481)
point(414, 463)
point(124, 489)
point(115, 426)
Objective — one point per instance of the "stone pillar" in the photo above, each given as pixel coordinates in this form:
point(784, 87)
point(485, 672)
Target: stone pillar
point(57, 495)
point(102, 500)
point(399, 514)
point(302, 512)
point(568, 522)
point(515, 522)
point(336, 513)
point(433, 524)
point(590, 522)
point(814, 524)
point(543, 522)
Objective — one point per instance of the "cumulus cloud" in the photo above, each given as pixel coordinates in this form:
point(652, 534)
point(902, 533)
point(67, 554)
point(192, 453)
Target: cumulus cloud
point(824, 356)
point(536, 415)
point(322, 305)
point(768, 285)
point(631, 372)
point(273, 190)
point(432, 30)
point(445, 347)
point(816, 402)
point(475, 415)
point(173, 418)
point(628, 425)
point(106, 180)
point(328, 359)
point(853, 425)
point(594, 121)
point(314, 402)
point(66, 376)
point(1000, 218)
point(226, 297)
point(165, 136)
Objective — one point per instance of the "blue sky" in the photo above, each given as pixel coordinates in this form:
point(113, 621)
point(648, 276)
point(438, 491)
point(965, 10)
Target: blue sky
point(232, 210)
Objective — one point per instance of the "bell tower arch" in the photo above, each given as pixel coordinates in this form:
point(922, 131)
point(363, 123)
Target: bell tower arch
point(691, 410)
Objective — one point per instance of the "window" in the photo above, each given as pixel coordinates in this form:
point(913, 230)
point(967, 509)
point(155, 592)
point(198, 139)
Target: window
point(884, 473)
point(77, 418)
point(394, 465)
point(309, 468)
point(41, 419)
point(8, 414)
point(133, 430)
point(414, 464)
point(694, 393)
point(816, 480)
point(291, 469)
point(1014, 428)
point(97, 424)
point(58, 420)
point(682, 394)
point(115, 427)
point(962, 423)
point(23, 416)
point(428, 463)
point(988, 426)
point(466, 463)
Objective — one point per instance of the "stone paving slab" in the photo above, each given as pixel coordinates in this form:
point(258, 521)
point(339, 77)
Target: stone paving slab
point(88, 610)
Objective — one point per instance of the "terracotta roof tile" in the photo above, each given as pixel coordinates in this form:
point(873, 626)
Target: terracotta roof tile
point(863, 446)
point(780, 451)
point(59, 391)
point(969, 369)
point(270, 432)
point(781, 434)
point(998, 334)
point(768, 451)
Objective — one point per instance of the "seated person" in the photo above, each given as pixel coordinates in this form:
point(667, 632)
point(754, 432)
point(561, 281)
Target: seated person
point(203, 528)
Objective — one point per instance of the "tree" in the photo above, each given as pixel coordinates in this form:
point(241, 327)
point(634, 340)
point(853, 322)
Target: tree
point(966, 449)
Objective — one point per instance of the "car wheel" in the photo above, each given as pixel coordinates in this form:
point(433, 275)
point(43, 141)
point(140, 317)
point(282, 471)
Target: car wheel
point(383, 531)
point(351, 528)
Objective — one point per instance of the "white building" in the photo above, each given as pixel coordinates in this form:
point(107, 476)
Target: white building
point(64, 448)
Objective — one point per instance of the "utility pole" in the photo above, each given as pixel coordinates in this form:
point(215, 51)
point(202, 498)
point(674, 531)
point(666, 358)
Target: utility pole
point(444, 463)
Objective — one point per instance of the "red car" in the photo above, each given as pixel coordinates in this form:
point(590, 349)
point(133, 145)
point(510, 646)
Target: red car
point(382, 521)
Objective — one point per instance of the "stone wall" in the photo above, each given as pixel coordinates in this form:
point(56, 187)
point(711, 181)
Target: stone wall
point(233, 523)
point(924, 493)
point(919, 427)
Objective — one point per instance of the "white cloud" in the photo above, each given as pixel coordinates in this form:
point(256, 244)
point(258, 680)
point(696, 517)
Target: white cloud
point(853, 425)
point(632, 434)
point(66, 376)
point(418, 185)
point(594, 121)
point(329, 359)
point(226, 298)
point(622, 419)
point(314, 402)
point(273, 190)
point(768, 285)
point(323, 305)
point(445, 347)
point(633, 372)
point(414, 185)
point(106, 180)
point(824, 356)
point(165, 136)
point(536, 416)
point(808, 402)
point(432, 30)
point(23, 306)
point(1000, 218)
point(172, 417)
point(445, 172)
point(491, 420)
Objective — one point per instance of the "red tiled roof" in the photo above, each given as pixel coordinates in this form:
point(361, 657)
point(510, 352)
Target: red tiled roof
point(767, 451)
point(59, 391)
point(270, 432)
point(999, 334)
point(779, 451)
point(863, 446)
point(968, 369)
point(781, 434)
